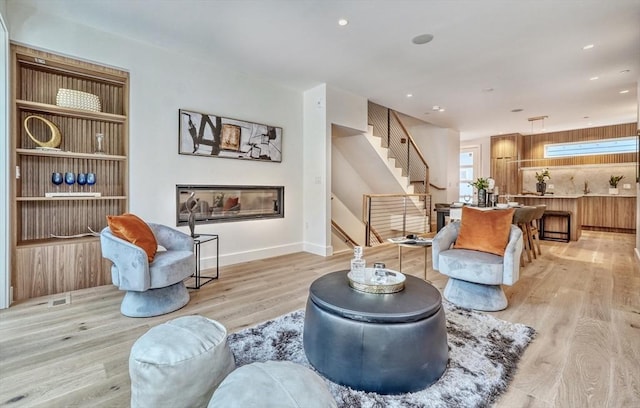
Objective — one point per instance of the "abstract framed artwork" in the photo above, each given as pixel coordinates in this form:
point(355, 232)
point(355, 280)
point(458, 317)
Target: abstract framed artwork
point(202, 134)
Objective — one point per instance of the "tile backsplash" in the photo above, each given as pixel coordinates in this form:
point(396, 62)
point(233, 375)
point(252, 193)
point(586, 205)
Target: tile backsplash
point(571, 180)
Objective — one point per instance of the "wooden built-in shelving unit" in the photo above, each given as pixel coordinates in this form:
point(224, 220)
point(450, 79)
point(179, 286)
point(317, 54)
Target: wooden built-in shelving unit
point(43, 264)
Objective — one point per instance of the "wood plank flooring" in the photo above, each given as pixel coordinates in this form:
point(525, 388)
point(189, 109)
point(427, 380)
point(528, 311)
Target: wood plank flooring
point(583, 298)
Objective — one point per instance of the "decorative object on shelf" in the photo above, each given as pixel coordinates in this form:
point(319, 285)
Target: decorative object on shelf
point(202, 134)
point(91, 180)
point(70, 179)
point(99, 144)
point(56, 178)
point(542, 177)
point(481, 184)
point(69, 98)
point(191, 204)
point(613, 182)
point(81, 179)
point(56, 137)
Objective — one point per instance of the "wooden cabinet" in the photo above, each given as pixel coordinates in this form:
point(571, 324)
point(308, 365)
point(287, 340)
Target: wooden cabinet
point(609, 213)
point(43, 264)
point(505, 155)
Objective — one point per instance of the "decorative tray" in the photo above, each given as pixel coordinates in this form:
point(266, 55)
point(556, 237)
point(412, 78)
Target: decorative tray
point(394, 283)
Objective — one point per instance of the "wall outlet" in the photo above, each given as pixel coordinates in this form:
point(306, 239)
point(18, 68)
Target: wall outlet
point(550, 186)
point(626, 186)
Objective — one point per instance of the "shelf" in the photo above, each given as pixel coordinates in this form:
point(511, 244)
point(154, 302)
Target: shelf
point(55, 241)
point(71, 155)
point(76, 113)
point(74, 198)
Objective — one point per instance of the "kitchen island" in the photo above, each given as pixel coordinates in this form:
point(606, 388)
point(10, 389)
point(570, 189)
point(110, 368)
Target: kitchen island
point(571, 203)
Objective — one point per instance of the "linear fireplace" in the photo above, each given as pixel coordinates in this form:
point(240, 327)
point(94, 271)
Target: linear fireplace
point(211, 204)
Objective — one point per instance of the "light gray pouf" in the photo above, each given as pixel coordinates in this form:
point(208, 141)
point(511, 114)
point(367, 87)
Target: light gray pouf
point(273, 384)
point(179, 363)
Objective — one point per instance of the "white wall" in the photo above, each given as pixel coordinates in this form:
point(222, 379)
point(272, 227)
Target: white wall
point(317, 232)
point(441, 149)
point(5, 252)
point(162, 83)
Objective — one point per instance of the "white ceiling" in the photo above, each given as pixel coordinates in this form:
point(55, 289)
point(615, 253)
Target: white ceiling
point(530, 52)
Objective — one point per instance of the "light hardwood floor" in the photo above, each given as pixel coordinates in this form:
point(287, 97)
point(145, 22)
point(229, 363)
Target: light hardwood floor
point(583, 298)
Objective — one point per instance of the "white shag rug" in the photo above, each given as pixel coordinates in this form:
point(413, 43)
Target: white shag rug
point(483, 356)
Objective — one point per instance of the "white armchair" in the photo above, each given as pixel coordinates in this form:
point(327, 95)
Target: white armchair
point(475, 277)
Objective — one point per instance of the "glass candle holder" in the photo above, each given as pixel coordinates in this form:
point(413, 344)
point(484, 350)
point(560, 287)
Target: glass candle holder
point(99, 148)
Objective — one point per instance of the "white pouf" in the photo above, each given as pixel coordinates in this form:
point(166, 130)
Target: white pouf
point(179, 363)
point(273, 384)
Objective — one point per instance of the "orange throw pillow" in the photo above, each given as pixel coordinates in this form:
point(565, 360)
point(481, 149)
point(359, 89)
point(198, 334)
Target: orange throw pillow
point(131, 228)
point(486, 231)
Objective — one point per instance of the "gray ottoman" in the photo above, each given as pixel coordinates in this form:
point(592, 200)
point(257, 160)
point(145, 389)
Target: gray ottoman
point(272, 384)
point(179, 363)
point(389, 344)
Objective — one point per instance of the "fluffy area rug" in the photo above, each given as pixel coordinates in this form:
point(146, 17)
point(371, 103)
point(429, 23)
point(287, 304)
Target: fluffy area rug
point(483, 355)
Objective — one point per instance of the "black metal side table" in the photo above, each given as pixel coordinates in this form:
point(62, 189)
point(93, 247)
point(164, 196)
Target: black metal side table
point(198, 278)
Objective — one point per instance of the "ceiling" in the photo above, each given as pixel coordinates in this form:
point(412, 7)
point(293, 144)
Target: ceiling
point(487, 58)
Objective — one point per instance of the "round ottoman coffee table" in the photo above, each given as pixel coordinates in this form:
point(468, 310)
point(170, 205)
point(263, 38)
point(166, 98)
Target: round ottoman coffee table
point(384, 343)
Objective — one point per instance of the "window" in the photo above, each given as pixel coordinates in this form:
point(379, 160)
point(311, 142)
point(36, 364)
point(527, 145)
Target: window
point(594, 147)
point(469, 168)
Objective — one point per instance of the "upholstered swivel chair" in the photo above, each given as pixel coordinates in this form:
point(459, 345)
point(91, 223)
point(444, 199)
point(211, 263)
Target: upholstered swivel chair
point(475, 277)
point(153, 288)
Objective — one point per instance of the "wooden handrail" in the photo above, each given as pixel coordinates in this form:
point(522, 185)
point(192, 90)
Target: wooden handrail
point(413, 142)
point(437, 188)
point(343, 233)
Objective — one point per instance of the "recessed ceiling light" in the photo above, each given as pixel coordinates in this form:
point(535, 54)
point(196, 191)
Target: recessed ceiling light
point(587, 47)
point(422, 39)
point(624, 91)
point(441, 110)
point(625, 71)
point(435, 108)
point(343, 22)
point(487, 89)
point(409, 95)
point(517, 110)
point(585, 117)
point(594, 78)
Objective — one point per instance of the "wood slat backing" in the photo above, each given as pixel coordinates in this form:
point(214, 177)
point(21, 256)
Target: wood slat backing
point(78, 135)
point(615, 213)
point(42, 86)
point(65, 217)
point(35, 175)
point(533, 146)
point(49, 269)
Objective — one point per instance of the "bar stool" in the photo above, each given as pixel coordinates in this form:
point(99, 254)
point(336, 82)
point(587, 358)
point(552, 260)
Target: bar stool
point(535, 228)
point(522, 217)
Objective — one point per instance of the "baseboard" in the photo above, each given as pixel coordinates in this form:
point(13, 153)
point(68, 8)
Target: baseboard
point(252, 255)
point(318, 249)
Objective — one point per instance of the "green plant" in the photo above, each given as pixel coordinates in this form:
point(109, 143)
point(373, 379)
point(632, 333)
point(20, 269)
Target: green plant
point(614, 180)
point(543, 176)
point(481, 183)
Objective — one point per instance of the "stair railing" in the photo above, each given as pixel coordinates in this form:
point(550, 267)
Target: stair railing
point(402, 146)
point(343, 234)
point(392, 215)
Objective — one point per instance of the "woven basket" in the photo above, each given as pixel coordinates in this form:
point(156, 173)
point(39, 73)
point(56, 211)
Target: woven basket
point(69, 98)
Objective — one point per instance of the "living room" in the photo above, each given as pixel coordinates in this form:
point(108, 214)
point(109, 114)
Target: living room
point(163, 82)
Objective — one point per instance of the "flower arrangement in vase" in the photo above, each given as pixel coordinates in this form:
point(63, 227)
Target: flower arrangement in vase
point(542, 177)
point(481, 184)
point(613, 184)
